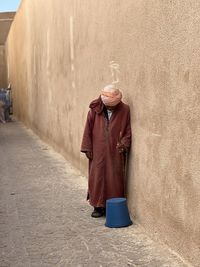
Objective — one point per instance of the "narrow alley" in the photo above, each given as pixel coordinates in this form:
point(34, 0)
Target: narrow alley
point(45, 219)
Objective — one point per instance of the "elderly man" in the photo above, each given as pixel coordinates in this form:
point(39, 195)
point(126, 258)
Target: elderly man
point(106, 139)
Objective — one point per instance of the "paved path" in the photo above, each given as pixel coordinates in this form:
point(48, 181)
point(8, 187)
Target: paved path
point(45, 220)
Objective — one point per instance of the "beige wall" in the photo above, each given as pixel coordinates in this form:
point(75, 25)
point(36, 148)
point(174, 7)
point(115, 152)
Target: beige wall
point(3, 71)
point(57, 69)
point(6, 19)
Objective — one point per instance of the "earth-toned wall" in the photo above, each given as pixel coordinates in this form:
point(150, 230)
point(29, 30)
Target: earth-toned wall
point(6, 19)
point(58, 56)
point(3, 72)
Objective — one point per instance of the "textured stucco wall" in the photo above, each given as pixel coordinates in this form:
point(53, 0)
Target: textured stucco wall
point(6, 19)
point(58, 55)
point(3, 70)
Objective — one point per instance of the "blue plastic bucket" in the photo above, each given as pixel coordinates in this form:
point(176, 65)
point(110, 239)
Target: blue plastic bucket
point(117, 214)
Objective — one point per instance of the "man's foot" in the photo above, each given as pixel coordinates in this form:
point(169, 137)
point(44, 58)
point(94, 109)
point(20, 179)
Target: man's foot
point(98, 212)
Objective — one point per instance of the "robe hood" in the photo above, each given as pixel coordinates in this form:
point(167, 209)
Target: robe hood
point(97, 105)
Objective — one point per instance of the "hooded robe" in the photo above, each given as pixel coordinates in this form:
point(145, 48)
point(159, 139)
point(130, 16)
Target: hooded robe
point(101, 135)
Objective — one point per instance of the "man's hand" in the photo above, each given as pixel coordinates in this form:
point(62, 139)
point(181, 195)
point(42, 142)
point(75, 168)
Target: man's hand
point(89, 154)
point(121, 148)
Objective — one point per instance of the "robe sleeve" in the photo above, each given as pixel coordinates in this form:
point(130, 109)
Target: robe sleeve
point(87, 135)
point(126, 138)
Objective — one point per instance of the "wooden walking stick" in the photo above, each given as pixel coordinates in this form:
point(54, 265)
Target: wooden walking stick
point(124, 156)
point(125, 171)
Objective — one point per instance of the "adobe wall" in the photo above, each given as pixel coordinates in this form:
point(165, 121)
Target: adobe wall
point(3, 70)
point(58, 56)
point(6, 19)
